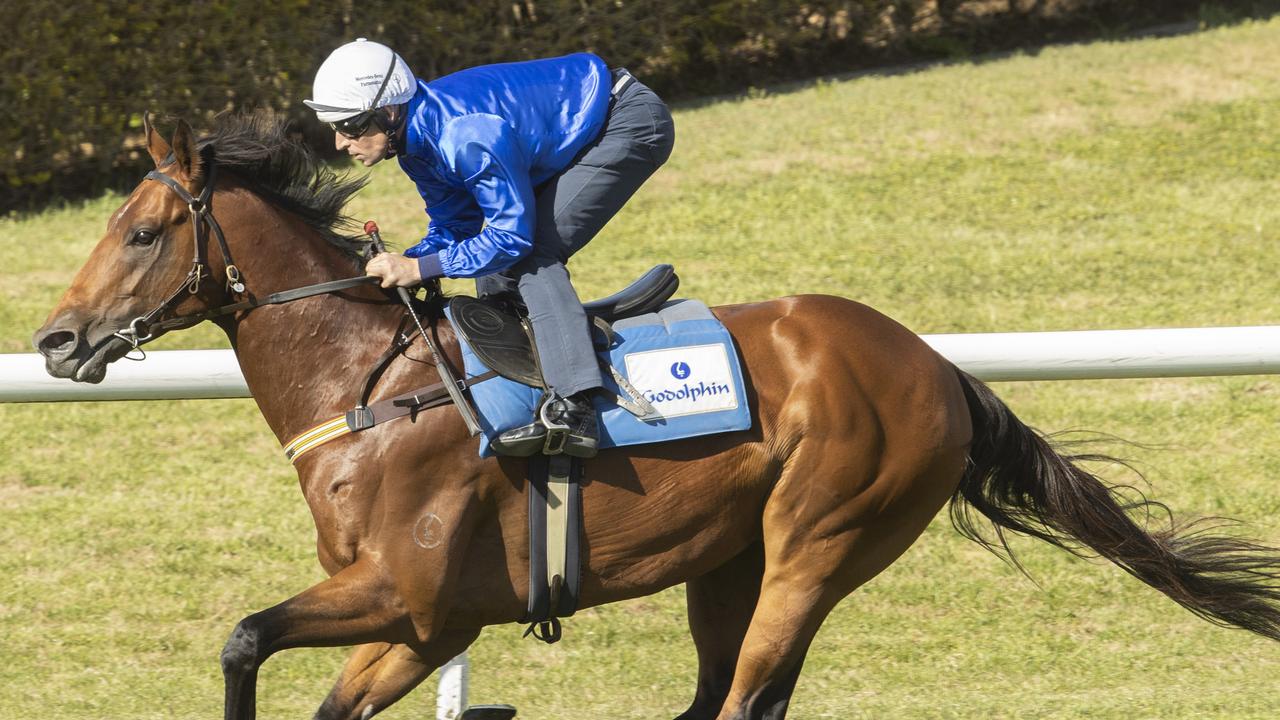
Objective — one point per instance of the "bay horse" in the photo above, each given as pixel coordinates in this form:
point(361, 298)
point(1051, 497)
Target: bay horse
point(861, 433)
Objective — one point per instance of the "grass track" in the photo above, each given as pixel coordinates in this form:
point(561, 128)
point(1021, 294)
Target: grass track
point(1106, 185)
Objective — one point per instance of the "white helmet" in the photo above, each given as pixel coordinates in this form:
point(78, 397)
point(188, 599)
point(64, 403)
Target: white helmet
point(357, 77)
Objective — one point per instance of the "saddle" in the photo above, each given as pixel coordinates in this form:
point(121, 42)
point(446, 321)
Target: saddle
point(498, 333)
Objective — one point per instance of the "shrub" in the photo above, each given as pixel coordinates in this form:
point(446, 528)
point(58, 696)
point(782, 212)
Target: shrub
point(81, 73)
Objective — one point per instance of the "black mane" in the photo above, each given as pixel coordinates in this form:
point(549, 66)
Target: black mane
point(257, 148)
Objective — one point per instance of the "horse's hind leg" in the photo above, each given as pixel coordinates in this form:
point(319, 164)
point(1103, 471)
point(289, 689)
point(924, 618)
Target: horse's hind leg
point(378, 674)
point(823, 537)
point(720, 607)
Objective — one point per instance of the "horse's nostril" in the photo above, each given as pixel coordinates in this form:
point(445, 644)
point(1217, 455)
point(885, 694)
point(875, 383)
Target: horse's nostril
point(60, 342)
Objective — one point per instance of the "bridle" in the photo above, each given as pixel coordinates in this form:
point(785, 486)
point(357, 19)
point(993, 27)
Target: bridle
point(145, 328)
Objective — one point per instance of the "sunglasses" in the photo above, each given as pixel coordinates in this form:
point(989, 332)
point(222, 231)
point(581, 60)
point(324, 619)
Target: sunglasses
point(355, 126)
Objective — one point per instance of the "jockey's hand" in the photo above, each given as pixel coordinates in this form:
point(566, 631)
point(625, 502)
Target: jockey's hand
point(394, 270)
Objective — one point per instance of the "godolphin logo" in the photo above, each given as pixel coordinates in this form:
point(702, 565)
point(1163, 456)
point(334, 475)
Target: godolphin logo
point(692, 393)
point(680, 370)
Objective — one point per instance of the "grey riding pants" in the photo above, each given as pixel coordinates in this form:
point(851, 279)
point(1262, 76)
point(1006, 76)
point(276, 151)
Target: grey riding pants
point(571, 208)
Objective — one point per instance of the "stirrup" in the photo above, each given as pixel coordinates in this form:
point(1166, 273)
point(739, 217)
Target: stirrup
point(557, 433)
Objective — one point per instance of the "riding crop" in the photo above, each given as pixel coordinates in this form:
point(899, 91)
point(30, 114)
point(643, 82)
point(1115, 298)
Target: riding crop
point(446, 375)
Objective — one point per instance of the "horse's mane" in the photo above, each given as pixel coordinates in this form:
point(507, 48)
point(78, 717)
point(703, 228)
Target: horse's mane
point(257, 148)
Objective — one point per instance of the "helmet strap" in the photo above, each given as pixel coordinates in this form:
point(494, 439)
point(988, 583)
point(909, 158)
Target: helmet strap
point(391, 126)
point(381, 116)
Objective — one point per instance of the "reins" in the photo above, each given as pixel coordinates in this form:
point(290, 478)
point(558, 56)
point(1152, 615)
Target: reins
point(279, 298)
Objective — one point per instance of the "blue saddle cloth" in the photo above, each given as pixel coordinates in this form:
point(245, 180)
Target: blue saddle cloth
point(681, 359)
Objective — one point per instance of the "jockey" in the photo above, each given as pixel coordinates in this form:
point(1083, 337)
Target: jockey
point(520, 165)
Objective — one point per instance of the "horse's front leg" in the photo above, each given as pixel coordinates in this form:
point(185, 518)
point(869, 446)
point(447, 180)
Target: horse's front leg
point(379, 674)
point(357, 605)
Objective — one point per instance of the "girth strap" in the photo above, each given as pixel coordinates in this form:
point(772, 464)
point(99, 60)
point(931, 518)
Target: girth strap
point(555, 547)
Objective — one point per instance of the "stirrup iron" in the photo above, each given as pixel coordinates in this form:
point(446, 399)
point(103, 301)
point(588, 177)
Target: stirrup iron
point(557, 433)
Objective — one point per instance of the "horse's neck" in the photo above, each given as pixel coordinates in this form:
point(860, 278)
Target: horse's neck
point(304, 361)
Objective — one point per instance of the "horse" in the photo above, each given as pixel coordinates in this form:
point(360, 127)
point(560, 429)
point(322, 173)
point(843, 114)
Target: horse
point(860, 434)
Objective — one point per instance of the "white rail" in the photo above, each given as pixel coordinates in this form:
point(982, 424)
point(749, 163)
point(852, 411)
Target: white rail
point(164, 375)
point(1077, 355)
point(1103, 354)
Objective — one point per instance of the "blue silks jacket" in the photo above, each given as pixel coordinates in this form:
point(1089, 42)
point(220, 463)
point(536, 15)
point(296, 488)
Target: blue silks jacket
point(478, 142)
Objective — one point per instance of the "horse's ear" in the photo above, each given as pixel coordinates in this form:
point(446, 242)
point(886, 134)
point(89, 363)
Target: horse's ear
point(156, 146)
point(186, 153)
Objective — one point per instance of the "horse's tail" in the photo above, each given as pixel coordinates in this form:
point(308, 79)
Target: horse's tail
point(1019, 482)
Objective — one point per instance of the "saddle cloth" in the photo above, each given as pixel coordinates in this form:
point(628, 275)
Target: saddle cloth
point(680, 358)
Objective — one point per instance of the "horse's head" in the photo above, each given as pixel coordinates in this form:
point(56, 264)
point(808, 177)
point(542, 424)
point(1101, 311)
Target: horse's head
point(141, 269)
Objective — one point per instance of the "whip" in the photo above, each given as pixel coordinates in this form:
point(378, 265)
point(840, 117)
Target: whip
point(446, 375)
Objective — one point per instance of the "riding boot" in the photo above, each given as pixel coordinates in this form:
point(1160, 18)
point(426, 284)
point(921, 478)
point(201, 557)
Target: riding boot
point(567, 425)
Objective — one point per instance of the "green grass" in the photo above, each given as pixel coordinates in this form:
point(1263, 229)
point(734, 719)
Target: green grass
point(1103, 185)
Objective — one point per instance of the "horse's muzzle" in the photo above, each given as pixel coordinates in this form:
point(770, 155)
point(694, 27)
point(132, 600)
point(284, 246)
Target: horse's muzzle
point(68, 352)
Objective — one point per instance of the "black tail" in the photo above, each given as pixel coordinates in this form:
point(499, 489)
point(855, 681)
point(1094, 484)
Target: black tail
point(1020, 483)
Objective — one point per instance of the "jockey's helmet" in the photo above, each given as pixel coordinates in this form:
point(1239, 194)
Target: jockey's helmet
point(357, 79)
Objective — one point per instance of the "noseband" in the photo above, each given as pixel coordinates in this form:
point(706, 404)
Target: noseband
point(144, 328)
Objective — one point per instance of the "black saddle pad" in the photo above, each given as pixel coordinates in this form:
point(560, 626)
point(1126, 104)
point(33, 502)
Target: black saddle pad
point(497, 337)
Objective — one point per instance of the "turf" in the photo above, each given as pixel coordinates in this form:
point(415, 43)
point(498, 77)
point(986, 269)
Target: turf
point(1101, 185)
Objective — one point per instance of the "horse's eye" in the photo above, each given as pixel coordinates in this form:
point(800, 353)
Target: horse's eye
point(142, 237)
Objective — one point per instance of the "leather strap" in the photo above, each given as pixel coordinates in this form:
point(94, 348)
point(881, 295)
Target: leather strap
point(399, 341)
point(272, 299)
point(555, 550)
point(423, 398)
point(363, 418)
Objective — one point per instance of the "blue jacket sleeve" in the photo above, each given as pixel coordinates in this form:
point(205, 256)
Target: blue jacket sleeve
point(483, 151)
